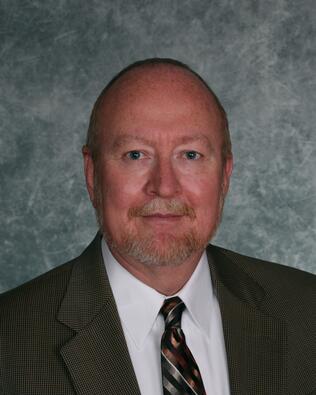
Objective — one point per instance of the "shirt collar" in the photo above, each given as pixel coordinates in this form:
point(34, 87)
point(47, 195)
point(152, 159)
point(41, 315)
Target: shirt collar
point(197, 294)
point(138, 304)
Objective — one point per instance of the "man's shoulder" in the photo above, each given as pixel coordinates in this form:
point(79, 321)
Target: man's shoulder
point(261, 268)
point(42, 292)
point(51, 286)
point(284, 285)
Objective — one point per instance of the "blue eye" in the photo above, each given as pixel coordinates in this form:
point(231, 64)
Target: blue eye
point(134, 155)
point(192, 155)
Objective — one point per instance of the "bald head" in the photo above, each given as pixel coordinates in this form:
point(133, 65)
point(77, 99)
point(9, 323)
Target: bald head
point(163, 81)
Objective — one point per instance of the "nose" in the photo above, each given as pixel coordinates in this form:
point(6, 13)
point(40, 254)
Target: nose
point(163, 180)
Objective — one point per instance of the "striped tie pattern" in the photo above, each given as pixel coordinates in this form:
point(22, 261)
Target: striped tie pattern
point(180, 373)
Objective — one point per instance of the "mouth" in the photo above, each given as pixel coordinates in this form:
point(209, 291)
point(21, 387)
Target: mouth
point(162, 219)
point(162, 215)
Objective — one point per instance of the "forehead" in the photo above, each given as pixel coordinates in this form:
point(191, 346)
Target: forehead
point(158, 81)
point(158, 98)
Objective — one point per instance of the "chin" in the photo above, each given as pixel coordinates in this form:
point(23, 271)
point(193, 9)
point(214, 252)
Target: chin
point(161, 249)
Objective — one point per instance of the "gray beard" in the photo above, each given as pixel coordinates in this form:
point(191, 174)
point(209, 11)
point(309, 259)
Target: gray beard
point(174, 251)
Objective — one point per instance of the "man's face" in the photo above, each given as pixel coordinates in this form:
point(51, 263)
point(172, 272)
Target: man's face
point(161, 178)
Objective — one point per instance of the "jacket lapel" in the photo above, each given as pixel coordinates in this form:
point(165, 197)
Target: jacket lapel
point(256, 343)
point(97, 357)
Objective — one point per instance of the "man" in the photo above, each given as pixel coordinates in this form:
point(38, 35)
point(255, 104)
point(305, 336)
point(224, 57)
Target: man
point(149, 307)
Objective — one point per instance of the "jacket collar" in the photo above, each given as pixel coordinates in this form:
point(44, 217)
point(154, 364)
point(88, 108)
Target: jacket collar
point(256, 343)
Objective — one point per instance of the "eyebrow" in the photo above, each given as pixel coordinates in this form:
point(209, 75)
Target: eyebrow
point(125, 139)
point(192, 139)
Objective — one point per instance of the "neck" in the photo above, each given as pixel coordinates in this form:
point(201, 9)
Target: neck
point(167, 280)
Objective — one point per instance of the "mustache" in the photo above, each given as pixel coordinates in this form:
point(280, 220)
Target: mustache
point(161, 206)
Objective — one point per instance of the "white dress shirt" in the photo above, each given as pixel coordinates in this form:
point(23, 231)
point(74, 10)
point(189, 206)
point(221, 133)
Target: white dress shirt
point(138, 307)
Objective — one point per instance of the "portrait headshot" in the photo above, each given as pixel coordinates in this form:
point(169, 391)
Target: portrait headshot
point(158, 199)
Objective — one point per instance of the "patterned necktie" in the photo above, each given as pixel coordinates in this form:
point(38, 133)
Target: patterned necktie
point(180, 373)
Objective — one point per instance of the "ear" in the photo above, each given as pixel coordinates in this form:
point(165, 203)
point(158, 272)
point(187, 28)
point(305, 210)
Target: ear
point(227, 172)
point(89, 173)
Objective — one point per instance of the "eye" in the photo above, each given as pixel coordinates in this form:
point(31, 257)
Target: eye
point(134, 155)
point(192, 155)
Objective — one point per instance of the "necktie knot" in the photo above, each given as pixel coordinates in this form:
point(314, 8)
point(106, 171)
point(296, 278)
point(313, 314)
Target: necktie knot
point(172, 311)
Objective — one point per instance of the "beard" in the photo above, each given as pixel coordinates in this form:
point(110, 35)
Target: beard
point(157, 249)
point(163, 249)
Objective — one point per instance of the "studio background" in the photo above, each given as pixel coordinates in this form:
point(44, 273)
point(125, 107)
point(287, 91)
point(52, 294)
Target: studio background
point(57, 55)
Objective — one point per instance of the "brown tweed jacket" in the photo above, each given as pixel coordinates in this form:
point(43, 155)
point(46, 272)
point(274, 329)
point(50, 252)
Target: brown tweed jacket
point(61, 334)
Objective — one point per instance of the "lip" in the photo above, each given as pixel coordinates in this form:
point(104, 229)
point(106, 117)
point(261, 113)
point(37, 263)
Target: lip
point(162, 218)
point(160, 215)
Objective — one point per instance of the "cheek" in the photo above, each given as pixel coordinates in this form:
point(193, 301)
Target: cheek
point(120, 191)
point(203, 191)
point(205, 197)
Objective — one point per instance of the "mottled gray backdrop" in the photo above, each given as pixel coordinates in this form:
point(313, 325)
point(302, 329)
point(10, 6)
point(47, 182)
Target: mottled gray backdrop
point(56, 55)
